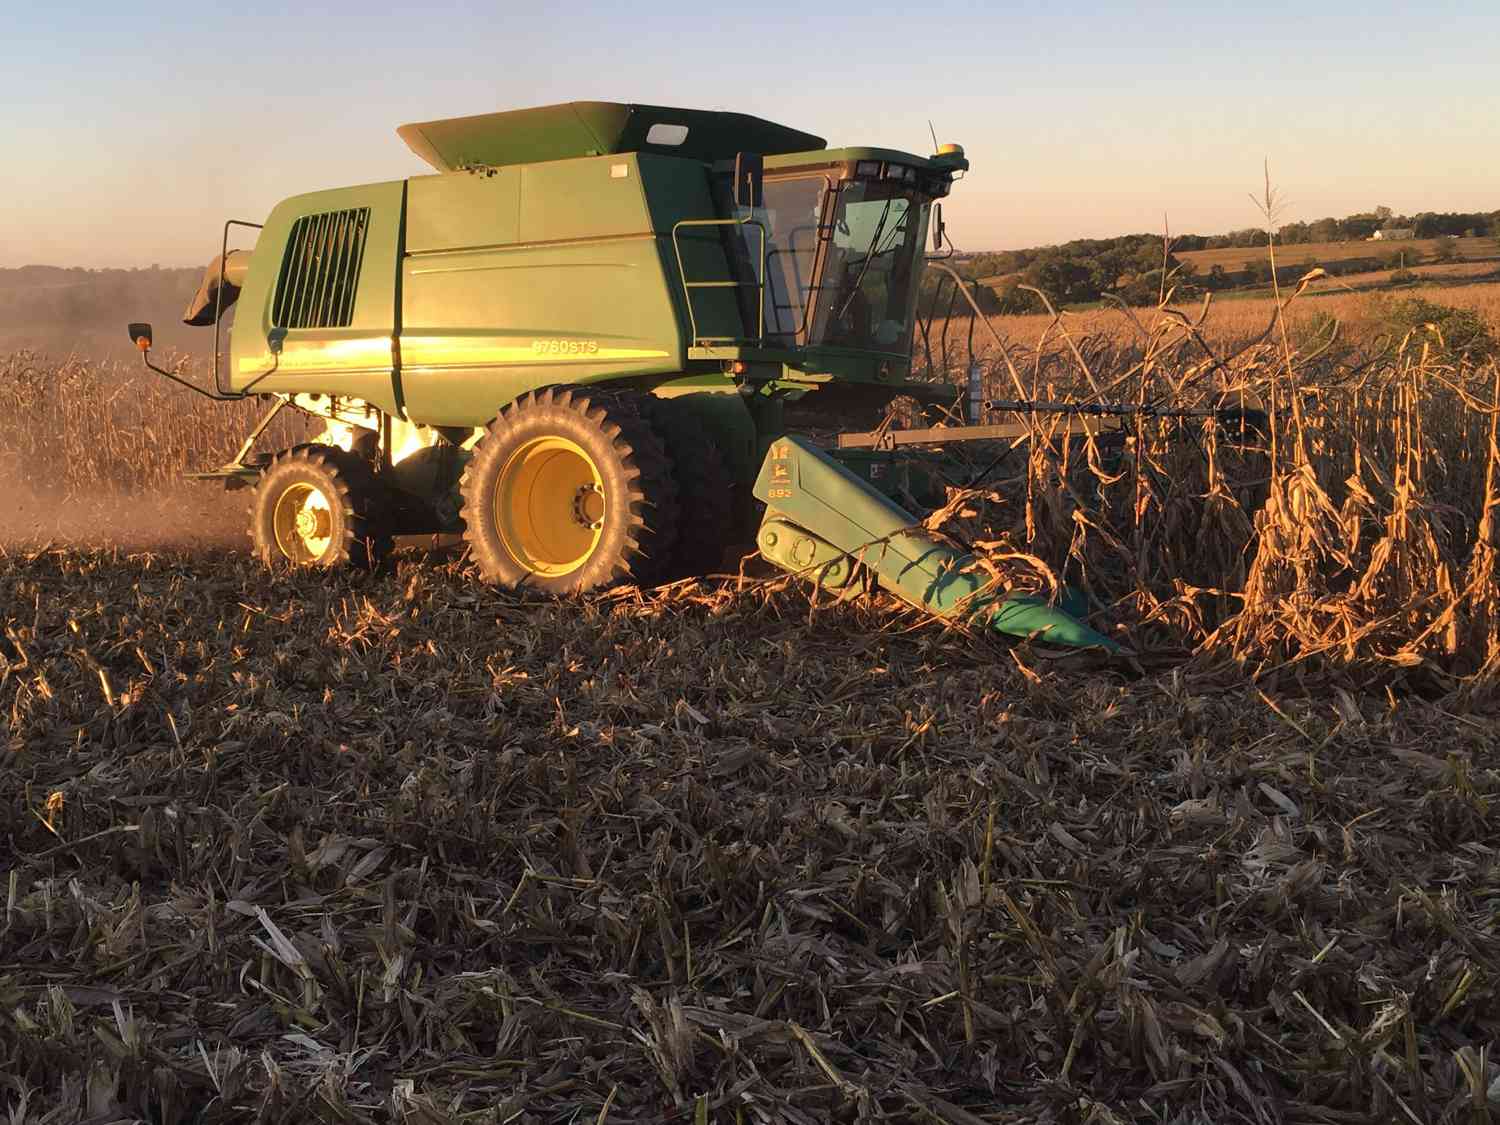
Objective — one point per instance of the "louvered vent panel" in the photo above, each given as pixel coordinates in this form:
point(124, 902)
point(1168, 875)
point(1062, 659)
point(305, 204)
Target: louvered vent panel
point(320, 272)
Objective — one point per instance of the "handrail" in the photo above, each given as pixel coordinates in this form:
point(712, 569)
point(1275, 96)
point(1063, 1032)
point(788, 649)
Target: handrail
point(219, 301)
point(688, 286)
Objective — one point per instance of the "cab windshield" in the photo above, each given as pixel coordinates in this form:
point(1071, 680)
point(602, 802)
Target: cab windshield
point(867, 293)
point(863, 293)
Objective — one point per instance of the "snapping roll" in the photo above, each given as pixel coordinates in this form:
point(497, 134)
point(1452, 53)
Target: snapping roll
point(210, 296)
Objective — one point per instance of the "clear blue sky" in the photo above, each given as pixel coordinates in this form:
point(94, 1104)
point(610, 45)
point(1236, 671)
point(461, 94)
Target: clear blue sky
point(130, 131)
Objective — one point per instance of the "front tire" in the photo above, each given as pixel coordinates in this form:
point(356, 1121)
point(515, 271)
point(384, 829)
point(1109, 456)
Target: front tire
point(570, 490)
point(313, 507)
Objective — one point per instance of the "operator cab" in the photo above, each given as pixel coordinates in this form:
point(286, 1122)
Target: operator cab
point(845, 238)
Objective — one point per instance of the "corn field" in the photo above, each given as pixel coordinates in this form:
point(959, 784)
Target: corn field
point(1359, 533)
point(76, 429)
point(289, 847)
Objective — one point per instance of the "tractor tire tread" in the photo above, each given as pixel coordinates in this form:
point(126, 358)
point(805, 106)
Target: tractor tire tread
point(706, 490)
point(642, 547)
point(350, 486)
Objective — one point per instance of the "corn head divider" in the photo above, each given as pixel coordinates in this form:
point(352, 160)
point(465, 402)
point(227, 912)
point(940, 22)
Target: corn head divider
point(588, 342)
point(824, 523)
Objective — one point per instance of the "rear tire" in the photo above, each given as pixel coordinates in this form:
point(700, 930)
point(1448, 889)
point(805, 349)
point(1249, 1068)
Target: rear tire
point(314, 507)
point(708, 499)
point(570, 490)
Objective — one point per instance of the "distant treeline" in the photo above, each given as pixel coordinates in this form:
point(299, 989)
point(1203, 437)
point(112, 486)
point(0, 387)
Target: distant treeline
point(1353, 228)
point(1131, 267)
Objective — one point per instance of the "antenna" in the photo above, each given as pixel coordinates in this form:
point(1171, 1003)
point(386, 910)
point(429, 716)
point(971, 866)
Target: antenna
point(933, 131)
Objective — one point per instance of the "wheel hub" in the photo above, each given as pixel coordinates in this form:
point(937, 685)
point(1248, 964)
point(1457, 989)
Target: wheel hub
point(588, 506)
point(550, 506)
point(303, 523)
point(312, 523)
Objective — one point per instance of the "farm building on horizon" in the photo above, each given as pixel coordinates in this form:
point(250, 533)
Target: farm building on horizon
point(1395, 234)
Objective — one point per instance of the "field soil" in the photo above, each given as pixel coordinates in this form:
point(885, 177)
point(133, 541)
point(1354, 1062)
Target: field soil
point(187, 517)
point(399, 846)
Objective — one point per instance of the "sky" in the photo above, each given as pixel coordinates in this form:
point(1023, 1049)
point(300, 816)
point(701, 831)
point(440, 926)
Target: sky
point(130, 132)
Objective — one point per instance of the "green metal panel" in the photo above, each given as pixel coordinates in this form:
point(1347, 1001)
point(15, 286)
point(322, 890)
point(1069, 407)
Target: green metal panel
point(481, 327)
point(600, 197)
point(579, 294)
point(586, 288)
point(560, 132)
point(806, 555)
point(679, 192)
point(462, 210)
point(356, 360)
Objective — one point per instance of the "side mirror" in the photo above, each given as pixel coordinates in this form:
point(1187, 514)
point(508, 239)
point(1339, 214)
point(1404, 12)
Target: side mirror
point(749, 179)
point(140, 335)
point(938, 230)
point(275, 338)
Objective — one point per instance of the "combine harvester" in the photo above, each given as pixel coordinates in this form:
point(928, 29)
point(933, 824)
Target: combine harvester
point(585, 342)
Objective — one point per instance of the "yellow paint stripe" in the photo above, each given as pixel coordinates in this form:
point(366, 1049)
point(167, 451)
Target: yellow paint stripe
point(308, 355)
point(419, 351)
point(305, 355)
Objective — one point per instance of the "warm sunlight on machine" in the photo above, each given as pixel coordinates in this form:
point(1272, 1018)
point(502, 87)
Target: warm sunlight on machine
point(585, 342)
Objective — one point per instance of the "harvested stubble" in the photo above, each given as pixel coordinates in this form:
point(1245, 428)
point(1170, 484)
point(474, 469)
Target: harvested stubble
point(404, 848)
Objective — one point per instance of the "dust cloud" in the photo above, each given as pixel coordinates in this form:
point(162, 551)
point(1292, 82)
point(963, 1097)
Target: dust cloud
point(199, 515)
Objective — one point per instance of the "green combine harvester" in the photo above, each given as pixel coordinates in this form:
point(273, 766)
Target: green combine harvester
point(585, 342)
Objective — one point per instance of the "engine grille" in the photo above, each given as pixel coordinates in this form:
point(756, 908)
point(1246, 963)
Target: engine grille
point(320, 270)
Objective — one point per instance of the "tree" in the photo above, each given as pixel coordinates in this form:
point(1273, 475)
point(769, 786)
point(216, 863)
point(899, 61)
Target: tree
point(1067, 280)
point(1012, 299)
point(1441, 327)
point(1324, 230)
point(1292, 234)
point(1142, 291)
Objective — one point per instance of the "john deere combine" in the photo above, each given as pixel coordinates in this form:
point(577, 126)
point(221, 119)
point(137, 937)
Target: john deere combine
point(581, 342)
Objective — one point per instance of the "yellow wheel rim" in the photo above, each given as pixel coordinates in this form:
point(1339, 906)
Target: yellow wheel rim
point(303, 522)
point(549, 506)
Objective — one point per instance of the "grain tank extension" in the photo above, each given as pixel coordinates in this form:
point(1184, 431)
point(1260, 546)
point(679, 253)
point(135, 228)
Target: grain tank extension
point(583, 342)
